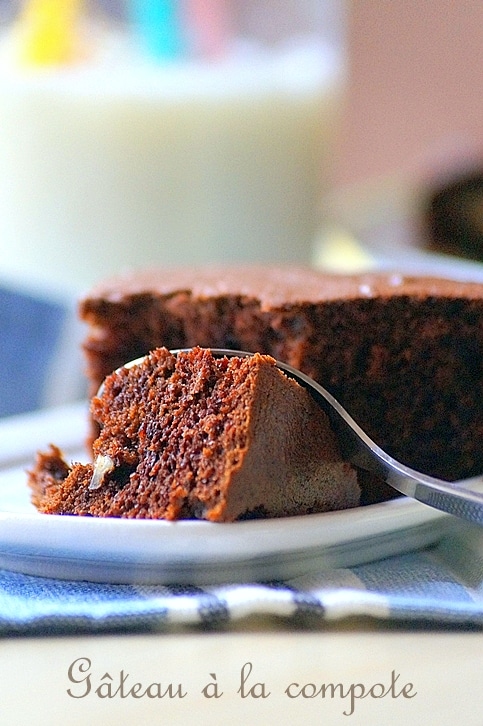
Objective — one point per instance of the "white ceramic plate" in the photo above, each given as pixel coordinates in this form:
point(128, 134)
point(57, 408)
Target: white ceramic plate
point(194, 552)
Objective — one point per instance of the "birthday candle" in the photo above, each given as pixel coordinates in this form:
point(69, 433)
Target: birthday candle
point(209, 24)
point(48, 31)
point(159, 24)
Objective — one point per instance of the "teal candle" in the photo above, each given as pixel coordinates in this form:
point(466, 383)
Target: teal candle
point(160, 27)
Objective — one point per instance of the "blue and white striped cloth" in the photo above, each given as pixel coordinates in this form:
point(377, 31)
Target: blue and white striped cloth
point(442, 585)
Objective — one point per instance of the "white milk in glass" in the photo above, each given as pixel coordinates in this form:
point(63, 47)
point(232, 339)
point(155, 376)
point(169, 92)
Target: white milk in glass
point(117, 162)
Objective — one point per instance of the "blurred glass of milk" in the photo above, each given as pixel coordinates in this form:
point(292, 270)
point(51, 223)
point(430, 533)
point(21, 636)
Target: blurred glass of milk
point(120, 159)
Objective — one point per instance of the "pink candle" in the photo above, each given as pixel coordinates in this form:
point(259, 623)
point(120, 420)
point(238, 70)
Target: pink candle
point(208, 23)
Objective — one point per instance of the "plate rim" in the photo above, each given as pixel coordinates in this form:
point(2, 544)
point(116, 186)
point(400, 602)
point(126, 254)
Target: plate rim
point(115, 538)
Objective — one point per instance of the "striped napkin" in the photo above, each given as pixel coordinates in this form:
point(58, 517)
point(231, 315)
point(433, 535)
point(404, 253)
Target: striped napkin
point(441, 585)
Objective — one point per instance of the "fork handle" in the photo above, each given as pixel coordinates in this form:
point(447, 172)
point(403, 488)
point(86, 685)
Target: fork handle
point(461, 503)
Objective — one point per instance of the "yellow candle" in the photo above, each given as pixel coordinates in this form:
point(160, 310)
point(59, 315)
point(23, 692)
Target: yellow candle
point(48, 31)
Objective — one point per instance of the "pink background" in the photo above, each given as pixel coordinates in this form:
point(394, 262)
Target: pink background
point(415, 86)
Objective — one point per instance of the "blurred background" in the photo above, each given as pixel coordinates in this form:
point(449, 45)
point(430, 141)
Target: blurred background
point(164, 132)
point(343, 134)
point(408, 172)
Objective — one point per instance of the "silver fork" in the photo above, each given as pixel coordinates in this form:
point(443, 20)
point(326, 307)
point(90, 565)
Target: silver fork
point(463, 498)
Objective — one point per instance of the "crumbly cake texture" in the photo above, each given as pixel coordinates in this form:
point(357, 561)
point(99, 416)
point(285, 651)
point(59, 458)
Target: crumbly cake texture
point(403, 354)
point(192, 436)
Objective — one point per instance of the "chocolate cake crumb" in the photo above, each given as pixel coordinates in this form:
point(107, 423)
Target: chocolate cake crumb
point(192, 436)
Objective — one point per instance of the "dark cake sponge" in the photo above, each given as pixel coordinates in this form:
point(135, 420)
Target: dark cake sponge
point(194, 436)
point(403, 354)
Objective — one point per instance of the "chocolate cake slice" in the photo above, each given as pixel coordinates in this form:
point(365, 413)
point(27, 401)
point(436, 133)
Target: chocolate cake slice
point(404, 355)
point(193, 436)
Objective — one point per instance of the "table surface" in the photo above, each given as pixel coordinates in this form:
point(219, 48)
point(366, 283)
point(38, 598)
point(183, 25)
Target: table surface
point(253, 672)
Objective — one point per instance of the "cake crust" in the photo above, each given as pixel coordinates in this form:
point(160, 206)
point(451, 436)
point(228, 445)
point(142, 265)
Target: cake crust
point(272, 286)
